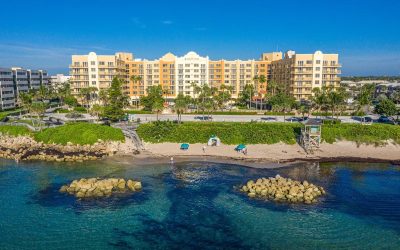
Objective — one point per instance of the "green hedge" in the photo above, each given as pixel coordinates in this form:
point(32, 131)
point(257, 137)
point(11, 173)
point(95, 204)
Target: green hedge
point(138, 112)
point(368, 134)
point(263, 133)
point(79, 133)
point(225, 113)
point(229, 133)
point(80, 109)
point(14, 130)
point(278, 113)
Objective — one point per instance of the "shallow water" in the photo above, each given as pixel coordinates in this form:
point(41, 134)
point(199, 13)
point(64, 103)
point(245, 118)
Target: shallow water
point(196, 205)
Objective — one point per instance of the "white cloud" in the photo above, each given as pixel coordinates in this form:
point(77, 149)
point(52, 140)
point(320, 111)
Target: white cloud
point(136, 21)
point(167, 22)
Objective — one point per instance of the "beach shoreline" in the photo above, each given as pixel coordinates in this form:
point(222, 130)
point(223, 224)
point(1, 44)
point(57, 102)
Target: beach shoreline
point(276, 155)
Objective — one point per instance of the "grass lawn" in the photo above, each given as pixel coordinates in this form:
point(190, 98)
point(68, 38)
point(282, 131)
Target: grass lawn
point(13, 130)
point(79, 133)
point(5, 113)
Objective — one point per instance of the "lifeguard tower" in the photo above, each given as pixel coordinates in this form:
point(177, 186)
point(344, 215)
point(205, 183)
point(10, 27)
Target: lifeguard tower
point(310, 138)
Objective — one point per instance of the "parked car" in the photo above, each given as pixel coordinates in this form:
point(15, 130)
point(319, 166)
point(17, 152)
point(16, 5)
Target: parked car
point(268, 119)
point(385, 119)
point(366, 120)
point(293, 119)
point(303, 119)
point(203, 118)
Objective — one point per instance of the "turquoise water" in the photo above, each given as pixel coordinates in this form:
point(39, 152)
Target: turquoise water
point(196, 205)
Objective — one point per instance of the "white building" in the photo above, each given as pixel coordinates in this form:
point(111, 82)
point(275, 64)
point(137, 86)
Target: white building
point(191, 68)
point(58, 80)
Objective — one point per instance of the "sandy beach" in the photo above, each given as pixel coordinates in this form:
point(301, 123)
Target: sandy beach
point(281, 153)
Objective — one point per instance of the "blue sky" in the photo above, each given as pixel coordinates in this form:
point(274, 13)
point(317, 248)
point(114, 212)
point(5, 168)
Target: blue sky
point(44, 34)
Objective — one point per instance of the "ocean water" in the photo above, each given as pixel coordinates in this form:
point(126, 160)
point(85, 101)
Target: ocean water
point(196, 205)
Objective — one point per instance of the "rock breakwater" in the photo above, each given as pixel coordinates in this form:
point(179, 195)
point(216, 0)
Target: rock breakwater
point(26, 148)
point(96, 188)
point(281, 189)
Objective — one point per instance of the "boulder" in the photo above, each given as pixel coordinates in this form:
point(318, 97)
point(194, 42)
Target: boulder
point(282, 189)
point(94, 187)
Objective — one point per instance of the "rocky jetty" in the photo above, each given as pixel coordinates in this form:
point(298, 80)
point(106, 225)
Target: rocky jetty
point(96, 188)
point(281, 189)
point(26, 148)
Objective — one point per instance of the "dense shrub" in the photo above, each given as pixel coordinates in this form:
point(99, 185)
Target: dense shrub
point(329, 114)
point(331, 122)
point(371, 134)
point(278, 113)
point(138, 112)
point(80, 109)
point(263, 133)
point(226, 113)
point(229, 133)
point(79, 133)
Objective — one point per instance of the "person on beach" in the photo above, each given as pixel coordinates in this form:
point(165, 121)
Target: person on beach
point(204, 149)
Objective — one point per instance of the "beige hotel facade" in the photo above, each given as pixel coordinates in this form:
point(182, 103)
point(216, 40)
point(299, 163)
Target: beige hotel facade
point(299, 72)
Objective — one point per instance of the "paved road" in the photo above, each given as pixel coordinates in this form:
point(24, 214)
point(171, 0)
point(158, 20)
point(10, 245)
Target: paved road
point(231, 118)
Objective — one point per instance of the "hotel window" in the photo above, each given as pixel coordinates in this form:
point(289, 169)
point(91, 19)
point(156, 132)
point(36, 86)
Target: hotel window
point(85, 64)
point(93, 76)
point(110, 64)
point(93, 82)
point(93, 69)
point(187, 65)
point(316, 81)
point(333, 63)
point(101, 63)
point(318, 69)
point(300, 63)
point(317, 75)
point(318, 62)
point(92, 63)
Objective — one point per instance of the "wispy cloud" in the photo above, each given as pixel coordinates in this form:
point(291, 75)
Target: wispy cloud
point(167, 22)
point(138, 23)
point(53, 58)
point(200, 28)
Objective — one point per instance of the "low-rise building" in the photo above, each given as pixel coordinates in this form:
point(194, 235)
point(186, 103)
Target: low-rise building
point(7, 98)
point(16, 80)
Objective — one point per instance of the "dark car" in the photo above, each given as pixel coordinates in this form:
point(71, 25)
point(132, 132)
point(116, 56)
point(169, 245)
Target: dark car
point(367, 119)
point(203, 118)
point(303, 119)
point(385, 119)
point(293, 119)
point(268, 119)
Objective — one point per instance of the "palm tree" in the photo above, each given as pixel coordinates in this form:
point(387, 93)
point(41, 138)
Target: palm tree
point(135, 79)
point(272, 87)
point(181, 105)
point(262, 80)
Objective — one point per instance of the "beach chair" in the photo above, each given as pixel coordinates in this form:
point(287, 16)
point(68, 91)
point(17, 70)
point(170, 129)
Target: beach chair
point(240, 147)
point(184, 146)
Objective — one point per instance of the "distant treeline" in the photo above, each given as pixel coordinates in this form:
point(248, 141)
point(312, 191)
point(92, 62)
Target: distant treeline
point(366, 78)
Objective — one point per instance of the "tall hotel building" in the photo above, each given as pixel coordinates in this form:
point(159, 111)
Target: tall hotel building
point(301, 73)
point(178, 74)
